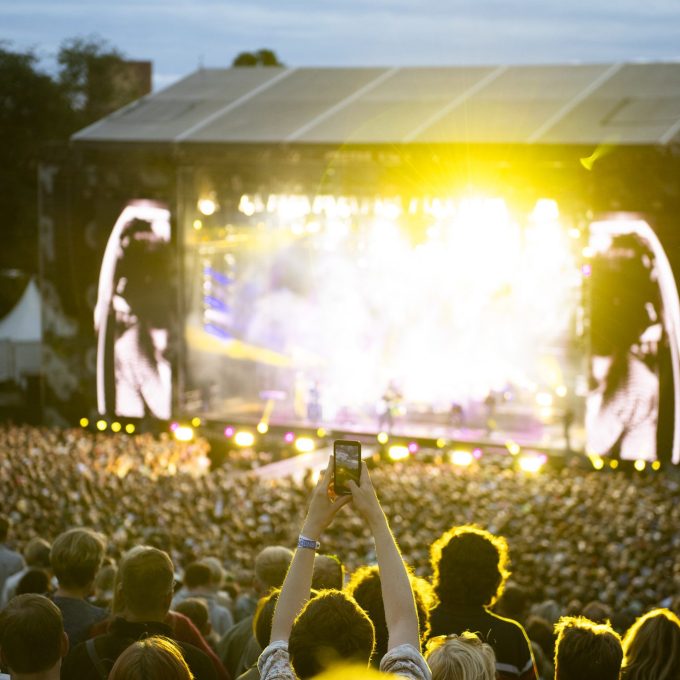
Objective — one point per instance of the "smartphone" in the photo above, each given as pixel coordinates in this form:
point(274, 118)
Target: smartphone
point(346, 464)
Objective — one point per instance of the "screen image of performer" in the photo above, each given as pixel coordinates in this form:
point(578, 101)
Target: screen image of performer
point(132, 315)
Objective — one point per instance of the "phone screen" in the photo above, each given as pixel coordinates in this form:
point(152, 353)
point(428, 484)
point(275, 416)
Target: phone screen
point(346, 464)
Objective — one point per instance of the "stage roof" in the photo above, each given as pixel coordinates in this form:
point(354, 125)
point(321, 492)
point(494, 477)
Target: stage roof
point(623, 104)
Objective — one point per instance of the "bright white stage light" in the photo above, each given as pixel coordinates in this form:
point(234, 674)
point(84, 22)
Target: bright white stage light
point(398, 452)
point(461, 458)
point(531, 463)
point(183, 433)
point(244, 438)
point(207, 206)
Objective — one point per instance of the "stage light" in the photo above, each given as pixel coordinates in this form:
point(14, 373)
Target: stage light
point(546, 210)
point(531, 463)
point(130, 428)
point(561, 391)
point(116, 427)
point(398, 452)
point(196, 422)
point(544, 399)
point(198, 225)
point(174, 426)
point(321, 433)
point(262, 428)
point(461, 458)
point(289, 437)
point(588, 252)
point(101, 425)
point(574, 233)
point(441, 443)
point(183, 433)
point(639, 465)
point(586, 269)
point(229, 431)
point(656, 465)
point(613, 464)
point(304, 444)
point(512, 447)
point(207, 205)
point(597, 462)
point(413, 447)
point(244, 438)
point(477, 454)
point(84, 422)
point(383, 437)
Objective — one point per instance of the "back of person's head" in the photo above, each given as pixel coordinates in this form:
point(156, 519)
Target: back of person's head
point(513, 603)
point(597, 611)
point(469, 565)
point(104, 584)
point(586, 650)
point(154, 658)
point(76, 556)
point(32, 638)
point(34, 581)
point(196, 609)
point(37, 553)
point(460, 657)
point(329, 573)
point(331, 627)
point(216, 570)
point(271, 566)
point(264, 614)
point(5, 525)
point(652, 647)
point(542, 633)
point(365, 587)
point(197, 575)
point(144, 583)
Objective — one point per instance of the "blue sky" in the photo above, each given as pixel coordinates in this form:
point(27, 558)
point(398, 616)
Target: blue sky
point(180, 35)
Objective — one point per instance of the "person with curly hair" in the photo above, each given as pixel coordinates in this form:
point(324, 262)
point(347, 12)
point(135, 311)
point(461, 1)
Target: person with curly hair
point(651, 647)
point(470, 567)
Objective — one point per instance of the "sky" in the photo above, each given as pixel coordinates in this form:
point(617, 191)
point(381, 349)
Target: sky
point(180, 36)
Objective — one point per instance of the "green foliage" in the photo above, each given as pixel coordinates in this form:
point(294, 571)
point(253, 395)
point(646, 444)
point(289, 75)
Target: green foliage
point(262, 57)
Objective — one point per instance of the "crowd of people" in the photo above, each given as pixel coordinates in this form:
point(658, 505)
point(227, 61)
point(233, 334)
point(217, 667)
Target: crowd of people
point(171, 548)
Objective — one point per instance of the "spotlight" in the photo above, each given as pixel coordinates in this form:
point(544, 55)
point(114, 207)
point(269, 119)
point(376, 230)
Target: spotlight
point(198, 225)
point(531, 463)
point(398, 452)
point(116, 427)
point(383, 437)
point(441, 443)
point(183, 433)
point(477, 454)
point(613, 464)
point(639, 465)
point(321, 433)
point(196, 422)
point(561, 391)
point(512, 447)
point(130, 428)
point(289, 437)
point(101, 425)
point(461, 458)
point(229, 431)
point(413, 447)
point(597, 462)
point(304, 444)
point(262, 428)
point(656, 465)
point(544, 399)
point(244, 438)
point(207, 206)
point(84, 422)
point(174, 426)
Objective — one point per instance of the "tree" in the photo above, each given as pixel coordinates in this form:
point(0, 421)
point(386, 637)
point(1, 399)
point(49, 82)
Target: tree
point(263, 57)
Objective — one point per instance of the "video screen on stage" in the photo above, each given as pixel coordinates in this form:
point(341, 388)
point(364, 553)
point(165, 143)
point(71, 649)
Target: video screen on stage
point(445, 317)
point(132, 315)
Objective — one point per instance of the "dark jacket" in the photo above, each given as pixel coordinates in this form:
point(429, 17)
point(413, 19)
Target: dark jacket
point(510, 643)
point(79, 664)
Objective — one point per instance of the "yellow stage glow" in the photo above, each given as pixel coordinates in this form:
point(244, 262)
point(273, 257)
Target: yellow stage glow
point(116, 427)
point(461, 458)
point(544, 399)
point(183, 433)
point(198, 225)
point(130, 428)
point(383, 437)
point(561, 391)
point(597, 462)
point(321, 433)
point(588, 252)
point(207, 206)
point(304, 444)
point(84, 422)
point(531, 464)
point(101, 425)
point(441, 443)
point(398, 452)
point(196, 422)
point(244, 438)
point(546, 210)
point(613, 464)
point(512, 447)
point(656, 465)
point(575, 233)
point(639, 465)
point(262, 428)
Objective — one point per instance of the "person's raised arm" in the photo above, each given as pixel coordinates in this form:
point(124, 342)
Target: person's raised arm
point(298, 581)
point(400, 608)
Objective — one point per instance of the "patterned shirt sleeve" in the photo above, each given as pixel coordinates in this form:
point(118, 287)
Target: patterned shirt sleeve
point(274, 662)
point(406, 662)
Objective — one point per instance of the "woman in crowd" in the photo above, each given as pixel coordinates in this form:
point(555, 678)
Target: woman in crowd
point(155, 658)
point(651, 647)
point(460, 657)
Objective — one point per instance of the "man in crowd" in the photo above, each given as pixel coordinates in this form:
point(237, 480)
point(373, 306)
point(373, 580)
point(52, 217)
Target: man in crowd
point(32, 638)
point(37, 556)
point(586, 650)
point(308, 636)
point(470, 571)
point(10, 561)
point(76, 557)
point(143, 596)
point(238, 648)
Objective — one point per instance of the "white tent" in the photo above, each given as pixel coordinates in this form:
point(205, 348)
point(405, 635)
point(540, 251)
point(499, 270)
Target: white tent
point(21, 337)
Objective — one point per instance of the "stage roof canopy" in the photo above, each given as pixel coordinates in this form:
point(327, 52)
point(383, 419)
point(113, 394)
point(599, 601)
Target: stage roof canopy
point(624, 104)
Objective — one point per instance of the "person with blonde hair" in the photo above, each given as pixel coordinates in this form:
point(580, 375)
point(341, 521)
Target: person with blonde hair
point(651, 647)
point(154, 658)
point(460, 657)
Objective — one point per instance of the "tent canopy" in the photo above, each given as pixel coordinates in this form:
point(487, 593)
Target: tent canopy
point(578, 104)
point(23, 323)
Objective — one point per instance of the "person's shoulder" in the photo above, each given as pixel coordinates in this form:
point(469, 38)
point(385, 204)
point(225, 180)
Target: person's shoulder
point(507, 624)
point(406, 661)
point(198, 661)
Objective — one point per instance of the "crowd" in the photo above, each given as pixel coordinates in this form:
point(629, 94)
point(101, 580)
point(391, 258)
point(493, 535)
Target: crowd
point(581, 543)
